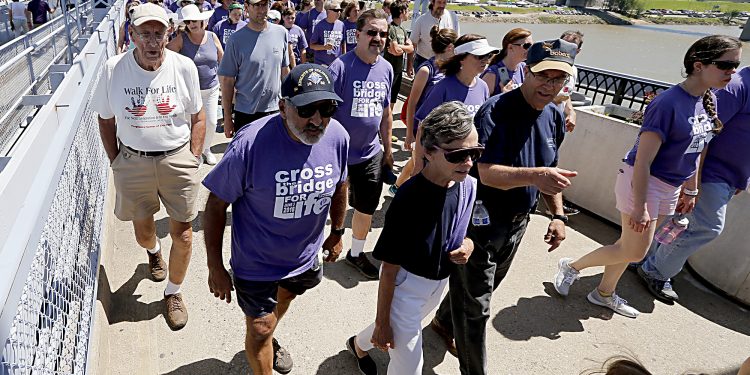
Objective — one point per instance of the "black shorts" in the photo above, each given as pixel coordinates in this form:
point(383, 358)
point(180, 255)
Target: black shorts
point(366, 184)
point(258, 298)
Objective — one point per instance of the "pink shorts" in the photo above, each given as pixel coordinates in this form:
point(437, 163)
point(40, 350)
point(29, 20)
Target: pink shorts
point(661, 197)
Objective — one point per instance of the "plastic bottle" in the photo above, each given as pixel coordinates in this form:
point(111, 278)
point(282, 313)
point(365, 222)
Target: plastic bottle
point(480, 217)
point(672, 229)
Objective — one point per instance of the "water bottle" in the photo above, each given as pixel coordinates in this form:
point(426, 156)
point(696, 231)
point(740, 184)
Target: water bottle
point(320, 259)
point(480, 217)
point(672, 229)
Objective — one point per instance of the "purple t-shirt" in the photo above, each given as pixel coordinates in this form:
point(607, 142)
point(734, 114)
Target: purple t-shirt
point(728, 156)
point(279, 205)
point(38, 9)
point(225, 28)
point(366, 91)
point(220, 14)
point(312, 20)
point(684, 128)
point(350, 33)
point(298, 41)
point(449, 89)
point(328, 33)
point(516, 76)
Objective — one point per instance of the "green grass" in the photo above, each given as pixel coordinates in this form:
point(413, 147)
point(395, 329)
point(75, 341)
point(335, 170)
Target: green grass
point(465, 8)
point(518, 10)
point(695, 5)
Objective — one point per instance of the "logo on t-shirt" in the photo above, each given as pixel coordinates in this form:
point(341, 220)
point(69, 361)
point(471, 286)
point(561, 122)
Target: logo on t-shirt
point(332, 38)
point(302, 192)
point(351, 36)
point(368, 98)
point(143, 98)
point(472, 108)
point(701, 133)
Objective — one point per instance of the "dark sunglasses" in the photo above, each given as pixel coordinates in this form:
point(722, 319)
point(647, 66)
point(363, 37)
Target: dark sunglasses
point(373, 33)
point(187, 22)
point(725, 65)
point(459, 155)
point(326, 109)
point(335, 10)
point(524, 45)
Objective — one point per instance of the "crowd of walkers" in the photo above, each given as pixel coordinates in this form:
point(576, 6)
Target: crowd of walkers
point(484, 125)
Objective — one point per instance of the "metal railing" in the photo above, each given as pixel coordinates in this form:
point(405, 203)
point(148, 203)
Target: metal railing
point(52, 193)
point(605, 87)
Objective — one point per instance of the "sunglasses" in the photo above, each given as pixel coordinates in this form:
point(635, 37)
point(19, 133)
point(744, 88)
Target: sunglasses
point(483, 57)
point(459, 155)
point(524, 45)
point(335, 10)
point(374, 33)
point(326, 109)
point(187, 22)
point(725, 65)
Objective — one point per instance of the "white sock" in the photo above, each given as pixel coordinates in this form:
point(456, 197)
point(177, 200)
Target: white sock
point(156, 248)
point(357, 247)
point(171, 288)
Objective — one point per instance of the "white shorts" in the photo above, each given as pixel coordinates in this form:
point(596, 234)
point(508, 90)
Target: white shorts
point(661, 197)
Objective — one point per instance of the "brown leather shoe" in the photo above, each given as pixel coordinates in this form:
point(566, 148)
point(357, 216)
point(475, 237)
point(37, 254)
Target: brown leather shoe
point(157, 266)
point(176, 314)
point(446, 335)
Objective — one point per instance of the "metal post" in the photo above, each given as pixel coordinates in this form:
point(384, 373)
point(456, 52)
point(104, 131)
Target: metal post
point(68, 35)
point(30, 63)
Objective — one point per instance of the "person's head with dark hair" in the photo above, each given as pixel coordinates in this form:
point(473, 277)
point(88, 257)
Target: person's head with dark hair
point(351, 11)
point(442, 40)
point(277, 6)
point(288, 16)
point(515, 45)
point(398, 9)
point(710, 62)
point(471, 52)
point(619, 365)
point(372, 31)
point(450, 141)
point(305, 5)
point(573, 36)
point(387, 6)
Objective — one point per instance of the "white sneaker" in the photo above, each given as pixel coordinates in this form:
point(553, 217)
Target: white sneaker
point(565, 276)
point(209, 157)
point(614, 302)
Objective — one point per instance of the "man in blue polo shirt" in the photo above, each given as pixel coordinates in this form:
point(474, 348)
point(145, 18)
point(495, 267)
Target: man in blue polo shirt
point(522, 131)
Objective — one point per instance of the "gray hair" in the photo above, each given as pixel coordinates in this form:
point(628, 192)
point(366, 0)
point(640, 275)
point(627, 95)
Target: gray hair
point(446, 123)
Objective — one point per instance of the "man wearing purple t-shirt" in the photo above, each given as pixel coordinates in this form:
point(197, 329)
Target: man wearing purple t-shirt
point(279, 209)
point(364, 79)
point(39, 10)
point(220, 13)
point(327, 38)
point(225, 28)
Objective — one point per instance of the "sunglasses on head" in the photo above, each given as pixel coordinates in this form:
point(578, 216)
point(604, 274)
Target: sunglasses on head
point(459, 155)
point(524, 45)
point(325, 108)
point(725, 65)
point(373, 33)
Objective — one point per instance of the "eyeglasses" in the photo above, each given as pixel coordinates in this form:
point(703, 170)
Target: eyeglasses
point(335, 10)
point(159, 37)
point(458, 156)
point(483, 57)
point(524, 45)
point(187, 22)
point(551, 81)
point(374, 33)
point(325, 108)
point(725, 65)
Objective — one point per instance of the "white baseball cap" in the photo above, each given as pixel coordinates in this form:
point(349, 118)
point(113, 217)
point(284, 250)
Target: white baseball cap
point(148, 12)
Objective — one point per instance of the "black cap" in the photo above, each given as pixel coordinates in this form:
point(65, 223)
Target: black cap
point(308, 83)
point(552, 54)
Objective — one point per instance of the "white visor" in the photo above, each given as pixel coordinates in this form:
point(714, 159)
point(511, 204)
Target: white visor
point(479, 47)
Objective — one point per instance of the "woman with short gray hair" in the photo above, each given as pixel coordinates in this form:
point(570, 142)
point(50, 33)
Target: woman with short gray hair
point(423, 238)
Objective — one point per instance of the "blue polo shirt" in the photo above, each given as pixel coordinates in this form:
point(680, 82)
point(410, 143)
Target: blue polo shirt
point(516, 135)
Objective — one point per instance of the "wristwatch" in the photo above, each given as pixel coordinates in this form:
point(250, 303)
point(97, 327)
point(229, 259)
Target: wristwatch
point(563, 218)
point(338, 232)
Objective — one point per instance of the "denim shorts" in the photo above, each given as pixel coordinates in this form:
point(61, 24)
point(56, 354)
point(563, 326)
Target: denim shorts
point(258, 298)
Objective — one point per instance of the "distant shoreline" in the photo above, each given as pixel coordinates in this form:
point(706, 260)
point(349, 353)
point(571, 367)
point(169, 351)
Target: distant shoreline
point(547, 18)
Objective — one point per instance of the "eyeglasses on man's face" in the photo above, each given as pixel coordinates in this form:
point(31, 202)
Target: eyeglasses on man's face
point(554, 81)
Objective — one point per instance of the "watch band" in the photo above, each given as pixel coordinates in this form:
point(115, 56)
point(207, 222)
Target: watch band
point(563, 218)
point(338, 232)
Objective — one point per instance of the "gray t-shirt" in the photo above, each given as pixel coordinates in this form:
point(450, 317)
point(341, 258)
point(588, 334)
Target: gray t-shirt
point(255, 60)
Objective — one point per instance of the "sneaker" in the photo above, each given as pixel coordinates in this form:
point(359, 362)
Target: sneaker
point(565, 276)
point(363, 265)
point(282, 360)
point(392, 190)
point(446, 335)
point(662, 290)
point(613, 302)
point(157, 266)
point(394, 139)
point(177, 315)
point(567, 210)
point(365, 364)
point(209, 157)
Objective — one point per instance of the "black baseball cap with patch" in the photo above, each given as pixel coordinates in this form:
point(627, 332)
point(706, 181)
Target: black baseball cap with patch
point(552, 54)
point(308, 83)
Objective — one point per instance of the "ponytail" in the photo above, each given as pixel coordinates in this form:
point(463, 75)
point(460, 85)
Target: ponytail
point(709, 106)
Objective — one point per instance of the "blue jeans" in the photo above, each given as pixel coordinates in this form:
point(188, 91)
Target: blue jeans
point(706, 223)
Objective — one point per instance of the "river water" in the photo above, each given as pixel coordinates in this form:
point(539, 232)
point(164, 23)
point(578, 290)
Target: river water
point(654, 52)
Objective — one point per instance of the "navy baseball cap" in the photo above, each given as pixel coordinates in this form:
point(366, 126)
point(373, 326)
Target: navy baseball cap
point(308, 83)
point(552, 54)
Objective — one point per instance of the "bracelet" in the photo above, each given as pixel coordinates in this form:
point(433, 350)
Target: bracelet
point(691, 193)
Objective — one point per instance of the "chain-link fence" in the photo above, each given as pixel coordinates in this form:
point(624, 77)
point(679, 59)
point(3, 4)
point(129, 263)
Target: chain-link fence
point(51, 325)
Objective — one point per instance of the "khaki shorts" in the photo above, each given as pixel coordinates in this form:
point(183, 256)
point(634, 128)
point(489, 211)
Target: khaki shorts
point(141, 181)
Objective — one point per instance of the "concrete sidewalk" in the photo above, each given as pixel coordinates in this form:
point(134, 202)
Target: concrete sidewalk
point(531, 331)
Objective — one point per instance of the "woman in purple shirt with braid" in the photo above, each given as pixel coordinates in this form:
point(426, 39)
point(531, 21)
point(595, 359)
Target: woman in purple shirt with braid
point(659, 174)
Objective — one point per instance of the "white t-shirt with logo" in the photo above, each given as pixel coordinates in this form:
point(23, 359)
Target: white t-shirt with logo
point(152, 109)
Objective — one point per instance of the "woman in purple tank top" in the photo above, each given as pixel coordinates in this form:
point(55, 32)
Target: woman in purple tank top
point(204, 48)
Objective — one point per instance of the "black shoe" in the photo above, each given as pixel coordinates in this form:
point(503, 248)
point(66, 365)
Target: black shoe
point(366, 365)
point(282, 360)
point(662, 290)
point(567, 211)
point(363, 265)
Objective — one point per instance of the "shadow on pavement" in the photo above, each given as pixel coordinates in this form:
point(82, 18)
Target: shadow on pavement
point(344, 274)
point(711, 306)
point(162, 225)
point(123, 305)
point(344, 363)
point(434, 351)
point(238, 365)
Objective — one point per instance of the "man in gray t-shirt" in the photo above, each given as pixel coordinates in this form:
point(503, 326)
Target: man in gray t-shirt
point(255, 61)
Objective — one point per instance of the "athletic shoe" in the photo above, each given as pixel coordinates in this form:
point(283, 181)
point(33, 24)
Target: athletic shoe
point(394, 139)
point(365, 364)
point(176, 314)
point(565, 276)
point(209, 157)
point(567, 210)
point(392, 190)
point(447, 336)
point(363, 265)
point(613, 302)
point(282, 360)
point(157, 266)
point(662, 290)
